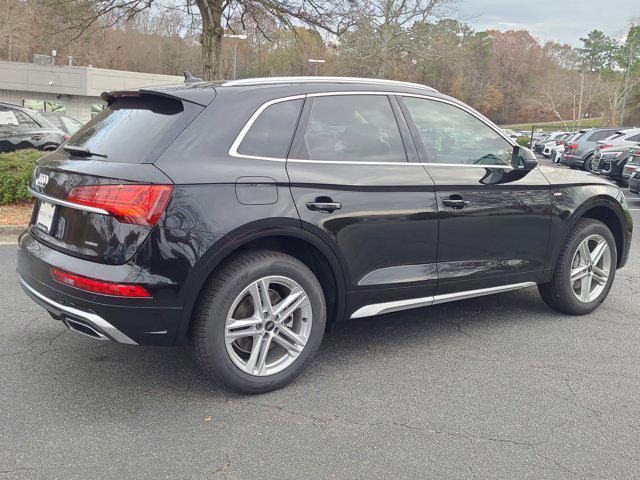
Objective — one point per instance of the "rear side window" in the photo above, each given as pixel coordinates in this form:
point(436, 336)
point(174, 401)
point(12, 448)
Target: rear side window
point(352, 128)
point(135, 129)
point(597, 136)
point(271, 134)
point(25, 120)
point(635, 138)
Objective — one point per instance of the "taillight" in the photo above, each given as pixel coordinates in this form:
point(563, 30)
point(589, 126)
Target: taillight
point(600, 147)
point(571, 146)
point(97, 286)
point(137, 204)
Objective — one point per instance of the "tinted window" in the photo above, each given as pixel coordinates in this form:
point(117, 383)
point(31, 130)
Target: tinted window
point(272, 132)
point(25, 120)
point(135, 129)
point(635, 138)
point(71, 123)
point(453, 136)
point(599, 135)
point(55, 120)
point(352, 128)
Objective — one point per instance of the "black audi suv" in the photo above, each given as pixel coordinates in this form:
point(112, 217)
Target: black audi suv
point(247, 217)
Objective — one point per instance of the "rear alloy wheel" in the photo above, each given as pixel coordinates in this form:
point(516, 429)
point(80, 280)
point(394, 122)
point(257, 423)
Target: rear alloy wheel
point(260, 321)
point(585, 269)
point(268, 325)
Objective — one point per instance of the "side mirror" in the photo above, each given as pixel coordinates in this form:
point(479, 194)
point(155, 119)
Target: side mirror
point(523, 158)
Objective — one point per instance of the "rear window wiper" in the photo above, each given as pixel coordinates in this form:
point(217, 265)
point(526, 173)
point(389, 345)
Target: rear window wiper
point(85, 152)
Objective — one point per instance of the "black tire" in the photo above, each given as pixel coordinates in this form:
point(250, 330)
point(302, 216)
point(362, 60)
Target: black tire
point(558, 293)
point(216, 300)
point(588, 163)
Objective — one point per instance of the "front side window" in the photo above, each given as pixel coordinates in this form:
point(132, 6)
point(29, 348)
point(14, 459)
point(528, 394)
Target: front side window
point(453, 136)
point(352, 128)
point(271, 134)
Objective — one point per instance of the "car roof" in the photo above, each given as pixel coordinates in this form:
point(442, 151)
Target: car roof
point(203, 93)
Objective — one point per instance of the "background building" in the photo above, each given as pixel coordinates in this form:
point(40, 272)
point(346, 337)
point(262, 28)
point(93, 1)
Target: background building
point(71, 90)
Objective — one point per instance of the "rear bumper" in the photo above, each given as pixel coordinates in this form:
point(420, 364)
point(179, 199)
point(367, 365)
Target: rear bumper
point(75, 319)
point(135, 321)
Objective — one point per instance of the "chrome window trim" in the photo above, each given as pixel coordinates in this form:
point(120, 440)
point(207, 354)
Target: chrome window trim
point(91, 318)
point(65, 203)
point(233, 151)
point(399, 305)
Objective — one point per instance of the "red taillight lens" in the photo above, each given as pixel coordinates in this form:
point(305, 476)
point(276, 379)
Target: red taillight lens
point(137, 204)
point(97, 286)
point(603, 146)
point(571, 146)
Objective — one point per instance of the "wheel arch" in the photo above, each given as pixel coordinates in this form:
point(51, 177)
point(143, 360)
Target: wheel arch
point(295, 241)
point(606, 210)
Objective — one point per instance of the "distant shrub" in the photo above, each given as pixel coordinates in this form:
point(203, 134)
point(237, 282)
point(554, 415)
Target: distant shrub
point(15, 174)
point(524, 141)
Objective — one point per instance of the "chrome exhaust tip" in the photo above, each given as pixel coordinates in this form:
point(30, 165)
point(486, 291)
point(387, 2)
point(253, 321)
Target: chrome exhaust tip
point(84, 328)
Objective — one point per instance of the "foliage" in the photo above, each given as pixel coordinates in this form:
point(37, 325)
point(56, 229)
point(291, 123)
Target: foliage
point(15, 174)
point(524, 141)
point(507, 75)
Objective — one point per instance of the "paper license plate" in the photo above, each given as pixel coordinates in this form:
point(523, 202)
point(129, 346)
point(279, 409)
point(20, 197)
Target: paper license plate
point(45, 216)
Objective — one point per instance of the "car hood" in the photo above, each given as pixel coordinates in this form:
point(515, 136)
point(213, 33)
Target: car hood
point(562, 176)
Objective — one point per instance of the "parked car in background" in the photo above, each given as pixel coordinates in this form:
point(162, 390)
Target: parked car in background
point(538, 146)
point(552, 143)
point(311, 201)
point(628, 137)
point(580, 156)
point(510, 133)
point(566, 145)
point(633, 163)
point(22, 127)
point(64, 122)
point(634, 181)
point(610, 162)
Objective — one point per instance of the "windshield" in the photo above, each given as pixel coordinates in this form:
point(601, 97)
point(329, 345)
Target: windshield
point(135, 129)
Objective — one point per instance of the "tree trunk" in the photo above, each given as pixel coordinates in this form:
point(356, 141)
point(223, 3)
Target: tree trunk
point(211, 38)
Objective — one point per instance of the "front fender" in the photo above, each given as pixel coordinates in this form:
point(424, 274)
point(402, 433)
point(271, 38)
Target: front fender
point(575, 202)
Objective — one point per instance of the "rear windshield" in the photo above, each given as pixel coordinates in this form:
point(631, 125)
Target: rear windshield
point(135, 129)
point(596, 136)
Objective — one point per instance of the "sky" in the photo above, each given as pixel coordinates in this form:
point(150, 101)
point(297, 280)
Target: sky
point(560, 20)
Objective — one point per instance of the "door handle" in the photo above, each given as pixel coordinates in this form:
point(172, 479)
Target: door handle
point(456, 201)
point(324, 204)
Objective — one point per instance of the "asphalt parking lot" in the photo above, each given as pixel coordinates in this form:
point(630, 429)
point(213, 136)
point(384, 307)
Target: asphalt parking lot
point(492, 387)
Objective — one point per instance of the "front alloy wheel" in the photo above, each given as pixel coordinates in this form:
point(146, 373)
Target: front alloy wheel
point(585, 269)
point(590, 268)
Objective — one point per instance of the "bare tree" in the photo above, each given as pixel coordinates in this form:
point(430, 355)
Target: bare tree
point(216, 16)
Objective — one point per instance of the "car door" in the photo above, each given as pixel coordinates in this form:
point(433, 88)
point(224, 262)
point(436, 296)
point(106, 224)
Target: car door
point(357, 184)
point(494, 220)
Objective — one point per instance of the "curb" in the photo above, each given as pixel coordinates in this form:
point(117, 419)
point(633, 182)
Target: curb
point(7, 230)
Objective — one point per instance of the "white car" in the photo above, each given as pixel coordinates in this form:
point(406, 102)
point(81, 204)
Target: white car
point(550, 144)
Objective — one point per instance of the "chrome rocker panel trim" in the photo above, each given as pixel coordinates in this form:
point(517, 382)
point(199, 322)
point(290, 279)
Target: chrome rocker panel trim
point(91, 318)
point(388, 307)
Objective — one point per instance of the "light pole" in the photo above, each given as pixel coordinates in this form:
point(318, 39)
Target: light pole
point(316, 61)
point(235, 49)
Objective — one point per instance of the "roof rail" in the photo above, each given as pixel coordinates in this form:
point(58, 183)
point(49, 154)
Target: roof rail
point(277, 80)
